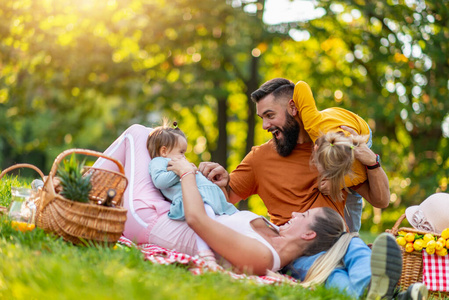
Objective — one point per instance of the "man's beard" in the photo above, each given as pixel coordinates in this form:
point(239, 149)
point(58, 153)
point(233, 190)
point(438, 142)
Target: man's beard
point(290, 133)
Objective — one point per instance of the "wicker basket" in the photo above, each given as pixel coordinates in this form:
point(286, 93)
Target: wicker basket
point(412, 263)
point(82, 223)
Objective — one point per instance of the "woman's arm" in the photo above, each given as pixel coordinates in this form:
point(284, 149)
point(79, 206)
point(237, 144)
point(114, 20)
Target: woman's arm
point(246, 254)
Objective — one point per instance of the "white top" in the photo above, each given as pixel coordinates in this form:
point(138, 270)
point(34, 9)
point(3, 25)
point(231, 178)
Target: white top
point(240, 222)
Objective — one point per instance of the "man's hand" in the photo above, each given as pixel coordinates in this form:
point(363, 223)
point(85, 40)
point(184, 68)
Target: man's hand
point(362, 153)
point(215, 173)
point(365, 155)
point(325, 187)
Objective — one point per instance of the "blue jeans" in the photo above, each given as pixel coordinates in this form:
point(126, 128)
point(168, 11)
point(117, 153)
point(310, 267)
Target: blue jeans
point(353, 278)
point(354, 203)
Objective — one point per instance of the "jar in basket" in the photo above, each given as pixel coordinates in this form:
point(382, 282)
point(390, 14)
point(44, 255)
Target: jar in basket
point(22, 210)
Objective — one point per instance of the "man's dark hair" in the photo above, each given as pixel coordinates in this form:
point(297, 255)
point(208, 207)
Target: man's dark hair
point(277, 87)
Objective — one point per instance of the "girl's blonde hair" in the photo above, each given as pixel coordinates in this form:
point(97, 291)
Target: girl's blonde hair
point(331, 236)
point(164, 135)
point(335, 154)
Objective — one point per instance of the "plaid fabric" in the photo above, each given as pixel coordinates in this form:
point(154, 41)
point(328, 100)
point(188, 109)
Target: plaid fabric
point(196, 265)
point(436, 272)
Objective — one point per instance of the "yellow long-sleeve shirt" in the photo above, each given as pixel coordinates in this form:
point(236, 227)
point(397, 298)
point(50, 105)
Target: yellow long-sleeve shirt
point(317, 123)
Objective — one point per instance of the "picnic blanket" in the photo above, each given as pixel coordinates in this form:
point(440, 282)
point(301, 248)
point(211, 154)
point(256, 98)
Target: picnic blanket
point(196, 265)
point(436, 272)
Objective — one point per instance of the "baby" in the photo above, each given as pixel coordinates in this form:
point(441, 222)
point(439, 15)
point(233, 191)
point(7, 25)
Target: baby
point(165, 143)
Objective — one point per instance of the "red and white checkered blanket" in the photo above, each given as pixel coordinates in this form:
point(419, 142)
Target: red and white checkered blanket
point(196, 265)
point(436, 272)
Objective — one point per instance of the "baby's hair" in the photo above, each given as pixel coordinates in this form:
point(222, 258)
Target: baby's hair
point(335, 154)
point(164, 135)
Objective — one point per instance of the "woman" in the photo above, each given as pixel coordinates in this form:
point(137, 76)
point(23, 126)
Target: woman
point(261, 247)
point(257, 245)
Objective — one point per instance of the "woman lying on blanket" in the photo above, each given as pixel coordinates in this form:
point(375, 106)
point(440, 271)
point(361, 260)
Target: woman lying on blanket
point(256, 244)
point(247, 241)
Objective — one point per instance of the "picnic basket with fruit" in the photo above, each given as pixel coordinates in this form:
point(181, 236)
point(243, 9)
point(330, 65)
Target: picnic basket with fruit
point(425, 246)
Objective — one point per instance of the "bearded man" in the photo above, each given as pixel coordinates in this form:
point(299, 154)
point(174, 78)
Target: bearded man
point(280, 171)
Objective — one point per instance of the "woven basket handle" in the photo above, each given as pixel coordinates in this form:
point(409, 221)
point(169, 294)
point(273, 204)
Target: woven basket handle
point(65, 153)
point(394, 230)
point(49, 186)
point(17, 166)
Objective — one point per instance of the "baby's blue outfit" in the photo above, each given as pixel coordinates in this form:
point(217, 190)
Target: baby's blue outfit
point(170, 185)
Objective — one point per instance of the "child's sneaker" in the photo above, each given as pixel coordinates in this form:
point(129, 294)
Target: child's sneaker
point(386, 267)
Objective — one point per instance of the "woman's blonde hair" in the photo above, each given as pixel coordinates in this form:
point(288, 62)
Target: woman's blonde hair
point(335, 154)
point(164, 135)
point(331, 236)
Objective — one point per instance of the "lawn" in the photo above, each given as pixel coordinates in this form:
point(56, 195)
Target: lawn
point(37, 265)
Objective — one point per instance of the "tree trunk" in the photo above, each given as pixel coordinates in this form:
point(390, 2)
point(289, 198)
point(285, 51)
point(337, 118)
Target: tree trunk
point(251, 85)
point(219, 155)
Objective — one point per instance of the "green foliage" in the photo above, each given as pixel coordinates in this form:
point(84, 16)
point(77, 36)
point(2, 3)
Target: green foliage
point(101, 72)
point(75, 186)
point(5, 190)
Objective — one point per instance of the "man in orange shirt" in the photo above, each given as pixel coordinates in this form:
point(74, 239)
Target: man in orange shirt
point(279, 171)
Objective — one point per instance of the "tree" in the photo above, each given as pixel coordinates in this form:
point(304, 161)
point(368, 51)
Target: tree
point(77, 74)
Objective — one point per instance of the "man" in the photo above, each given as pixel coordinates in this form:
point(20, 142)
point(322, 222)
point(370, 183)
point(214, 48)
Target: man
point(279, 172)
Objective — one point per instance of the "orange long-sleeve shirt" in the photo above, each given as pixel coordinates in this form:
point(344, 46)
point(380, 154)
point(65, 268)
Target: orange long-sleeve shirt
point(285, 184)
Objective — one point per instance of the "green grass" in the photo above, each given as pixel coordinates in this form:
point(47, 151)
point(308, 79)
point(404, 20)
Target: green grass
point(37, 265)
point(368, 237)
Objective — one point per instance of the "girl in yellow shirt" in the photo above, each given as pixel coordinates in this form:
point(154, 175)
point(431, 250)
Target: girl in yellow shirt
point(333, 153)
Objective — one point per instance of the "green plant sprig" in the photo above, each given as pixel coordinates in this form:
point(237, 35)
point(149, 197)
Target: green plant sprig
point(75, 186)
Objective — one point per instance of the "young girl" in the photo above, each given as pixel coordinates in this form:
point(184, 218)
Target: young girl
point(334, 155)
point(165, 143)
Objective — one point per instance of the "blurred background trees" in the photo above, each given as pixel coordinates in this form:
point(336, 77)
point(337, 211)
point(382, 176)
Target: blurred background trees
point(77, 73)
